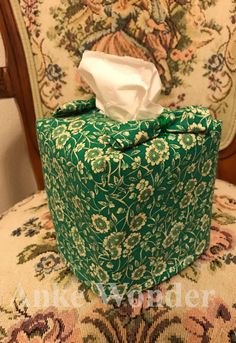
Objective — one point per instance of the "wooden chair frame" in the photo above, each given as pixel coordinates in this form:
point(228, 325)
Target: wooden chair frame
point(15, 82)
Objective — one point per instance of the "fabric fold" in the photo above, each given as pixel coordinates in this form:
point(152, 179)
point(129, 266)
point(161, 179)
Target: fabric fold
point(127, 135)
point(122, 136)
point(192, 120)
point(76, 107)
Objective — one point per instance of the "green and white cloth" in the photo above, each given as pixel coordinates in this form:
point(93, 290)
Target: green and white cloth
point(131, 202)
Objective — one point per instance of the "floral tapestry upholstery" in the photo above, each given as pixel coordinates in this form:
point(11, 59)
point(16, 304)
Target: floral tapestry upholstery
point(191, 42)
point(41, 300)
point(131, 202)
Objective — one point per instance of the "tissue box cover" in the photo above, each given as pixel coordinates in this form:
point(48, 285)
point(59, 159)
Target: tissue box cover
point(131, 202)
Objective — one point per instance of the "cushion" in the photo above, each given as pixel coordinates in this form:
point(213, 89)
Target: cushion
point(125, 196)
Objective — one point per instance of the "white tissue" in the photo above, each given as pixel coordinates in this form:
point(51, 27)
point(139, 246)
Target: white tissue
point(126, 88)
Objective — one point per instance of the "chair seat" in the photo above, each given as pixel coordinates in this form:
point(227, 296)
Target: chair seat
point(41, 300)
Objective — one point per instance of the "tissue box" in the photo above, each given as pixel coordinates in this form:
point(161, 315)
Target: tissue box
point(131, 202)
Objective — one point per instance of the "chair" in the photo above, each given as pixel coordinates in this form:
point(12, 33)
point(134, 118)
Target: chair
point(193, 47)
point(36, 51)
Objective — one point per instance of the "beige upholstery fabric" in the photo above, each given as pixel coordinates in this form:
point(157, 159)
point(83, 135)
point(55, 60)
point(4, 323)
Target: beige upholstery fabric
point(191, 42)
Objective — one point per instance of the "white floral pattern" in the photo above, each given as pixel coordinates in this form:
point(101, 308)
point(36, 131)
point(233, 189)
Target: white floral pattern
point(115, 198)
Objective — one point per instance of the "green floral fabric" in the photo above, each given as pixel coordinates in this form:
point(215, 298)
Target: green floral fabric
point(131, 202)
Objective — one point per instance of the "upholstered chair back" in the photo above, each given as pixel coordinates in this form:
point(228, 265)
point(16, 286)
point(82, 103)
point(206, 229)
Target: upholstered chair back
point(192, 43)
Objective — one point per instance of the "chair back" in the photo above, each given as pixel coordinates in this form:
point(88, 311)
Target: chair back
point(192, 44)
